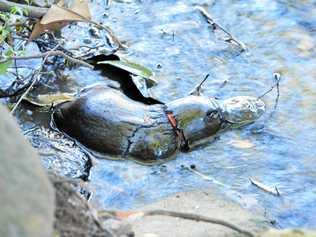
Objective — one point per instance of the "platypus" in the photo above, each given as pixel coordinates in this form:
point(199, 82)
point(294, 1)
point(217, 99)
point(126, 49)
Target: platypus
point(107, 121)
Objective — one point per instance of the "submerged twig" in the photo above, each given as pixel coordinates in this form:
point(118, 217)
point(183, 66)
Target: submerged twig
point(274, 191)
point(49, 54)
point(197, 89)
point(188, 216)
point(215, 25)
point(205, 177)
point(276, 84)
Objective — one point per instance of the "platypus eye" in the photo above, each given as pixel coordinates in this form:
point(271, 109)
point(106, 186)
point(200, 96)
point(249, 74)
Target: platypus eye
point(211, 115)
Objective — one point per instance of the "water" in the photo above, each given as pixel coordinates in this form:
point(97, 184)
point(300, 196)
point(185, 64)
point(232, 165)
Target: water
point(174, 40)
point(280, 36)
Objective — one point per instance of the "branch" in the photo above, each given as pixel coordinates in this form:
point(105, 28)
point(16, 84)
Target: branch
point(32, 11)
point(196, 217)
point(265, 188)
point(216, 25)
point(49, 54)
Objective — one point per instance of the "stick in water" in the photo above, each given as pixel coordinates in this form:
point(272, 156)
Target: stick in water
point(215, 25)
point(274, 191)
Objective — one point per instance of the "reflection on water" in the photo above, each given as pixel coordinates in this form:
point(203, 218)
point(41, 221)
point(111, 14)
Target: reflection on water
point(280, 36)
point(172, 38)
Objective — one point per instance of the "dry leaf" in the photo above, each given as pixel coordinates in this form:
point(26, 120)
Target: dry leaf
point(46, 100)
point(57, 17)
point(39, 28)
point(82, 8)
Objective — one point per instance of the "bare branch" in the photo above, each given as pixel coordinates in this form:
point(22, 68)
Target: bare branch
point(216, 25)
point(196, 217)
point(32, 11)
point(35, 78)
point(49, 54)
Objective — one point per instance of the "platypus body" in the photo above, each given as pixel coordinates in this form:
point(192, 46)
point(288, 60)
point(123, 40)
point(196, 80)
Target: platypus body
point(107, 121)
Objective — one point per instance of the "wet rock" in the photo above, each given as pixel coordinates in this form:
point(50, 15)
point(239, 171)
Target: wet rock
point(289, 233)
point(75, 217)
point(60, 154)
point(27, 198)
point(118, 227)
point(206, 203)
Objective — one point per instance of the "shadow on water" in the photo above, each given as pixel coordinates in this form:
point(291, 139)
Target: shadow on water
point(174, 40)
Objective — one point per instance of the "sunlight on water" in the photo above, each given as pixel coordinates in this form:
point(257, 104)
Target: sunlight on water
point(175, 41)
point(280, 36)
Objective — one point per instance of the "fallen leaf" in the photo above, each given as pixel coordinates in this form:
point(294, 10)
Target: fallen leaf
point(40, 28)
point(133, 68)
point(58, 16)
point(47, 100)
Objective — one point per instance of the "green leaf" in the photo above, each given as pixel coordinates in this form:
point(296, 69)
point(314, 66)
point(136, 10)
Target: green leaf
point(133, 68)
point(16, 10)
point(4, 66)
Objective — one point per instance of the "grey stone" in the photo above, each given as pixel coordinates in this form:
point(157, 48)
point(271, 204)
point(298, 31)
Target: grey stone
point(207, 203)
point(27, 197)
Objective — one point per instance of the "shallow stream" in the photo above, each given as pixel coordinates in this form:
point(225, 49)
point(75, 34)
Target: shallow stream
point(174, 40)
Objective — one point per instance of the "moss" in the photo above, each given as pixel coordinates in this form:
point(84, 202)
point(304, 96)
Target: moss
point(156, 144)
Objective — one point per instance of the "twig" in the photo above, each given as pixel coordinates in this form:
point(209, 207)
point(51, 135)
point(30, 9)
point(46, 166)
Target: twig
point(106, 28)
point(188, 216)
point(197, 217)
point(4, 94)
point(277, 78)
point(24, 94)
point(216, 25)
point(38, 12)
point(197, 89)
point(265, 188)
point(32, 11)
point(49, 54)
point(205, 177)
point(36, 74)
